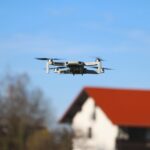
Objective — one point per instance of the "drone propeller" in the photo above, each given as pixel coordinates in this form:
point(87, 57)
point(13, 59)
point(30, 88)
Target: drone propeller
point(99, 59)
point(47, 58)
point(107, 68)
point(42, 58)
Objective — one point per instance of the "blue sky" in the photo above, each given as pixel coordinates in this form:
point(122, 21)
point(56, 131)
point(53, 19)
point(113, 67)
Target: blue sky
point(117, 31)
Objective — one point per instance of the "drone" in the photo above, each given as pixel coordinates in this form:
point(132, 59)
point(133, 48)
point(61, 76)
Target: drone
point(74, 67)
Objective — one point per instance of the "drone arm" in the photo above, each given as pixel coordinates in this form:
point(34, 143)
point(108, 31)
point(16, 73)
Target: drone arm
point(90, 63)
point(99, 67)
point(47, 67)
point(90, 72)
point(59, 71)
point(58, 64)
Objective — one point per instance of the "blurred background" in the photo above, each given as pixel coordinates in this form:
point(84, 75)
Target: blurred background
point(31, 101)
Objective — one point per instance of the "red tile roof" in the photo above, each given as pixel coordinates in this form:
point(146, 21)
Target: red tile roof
point(124, 107)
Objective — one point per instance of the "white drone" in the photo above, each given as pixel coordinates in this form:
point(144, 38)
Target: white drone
point(74, 67)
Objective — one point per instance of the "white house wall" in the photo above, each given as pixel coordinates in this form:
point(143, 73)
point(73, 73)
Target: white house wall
point(103, 131)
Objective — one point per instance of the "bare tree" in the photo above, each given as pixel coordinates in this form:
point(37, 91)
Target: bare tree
point(21, 112)
point(24, 117)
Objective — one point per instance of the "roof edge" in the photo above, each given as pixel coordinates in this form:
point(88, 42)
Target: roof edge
point(86, 88)
point(74, 107)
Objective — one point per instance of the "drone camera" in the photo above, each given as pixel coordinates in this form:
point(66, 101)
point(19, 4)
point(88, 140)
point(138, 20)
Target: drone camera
point(102, 70)
point(66, 63)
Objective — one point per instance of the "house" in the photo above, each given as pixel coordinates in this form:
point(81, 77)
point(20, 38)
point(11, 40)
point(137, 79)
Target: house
point(110, 119)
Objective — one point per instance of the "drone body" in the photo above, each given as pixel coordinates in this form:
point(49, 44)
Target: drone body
point(74, 67)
